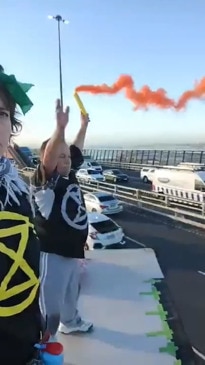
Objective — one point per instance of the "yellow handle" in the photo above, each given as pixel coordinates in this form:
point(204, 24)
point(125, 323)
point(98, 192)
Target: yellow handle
point(80, 104)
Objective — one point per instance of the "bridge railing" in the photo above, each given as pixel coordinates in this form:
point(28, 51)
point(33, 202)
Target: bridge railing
point(183, 209)
point(145, 156)
point(126, 166)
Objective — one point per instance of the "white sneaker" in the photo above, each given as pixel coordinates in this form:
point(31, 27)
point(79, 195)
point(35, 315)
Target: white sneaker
point(80, 326)
point(53, 338)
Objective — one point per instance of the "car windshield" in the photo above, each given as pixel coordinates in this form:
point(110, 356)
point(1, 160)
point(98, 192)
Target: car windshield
point(116, 172)
point(105, 226)
point(94, 164)
point(93, 172)
point(106, 198)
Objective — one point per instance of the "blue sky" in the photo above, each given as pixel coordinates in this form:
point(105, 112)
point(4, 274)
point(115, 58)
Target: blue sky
point(158, 42)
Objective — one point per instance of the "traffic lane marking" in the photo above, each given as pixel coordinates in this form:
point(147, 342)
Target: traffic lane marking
point(135, 242)
point(198, 353)
point(201, 272)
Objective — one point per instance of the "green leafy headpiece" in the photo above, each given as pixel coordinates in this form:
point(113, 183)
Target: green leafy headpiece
point(17, 90)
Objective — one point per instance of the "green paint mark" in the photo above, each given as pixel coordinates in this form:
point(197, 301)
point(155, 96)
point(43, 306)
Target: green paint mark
point(155, 293)
point(170, 349)
point(146, 293)
point(149, 281)
point(152, 281)
point(166, 332)
point(159, 312)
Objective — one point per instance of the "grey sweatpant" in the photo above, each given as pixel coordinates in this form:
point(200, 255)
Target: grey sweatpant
point(60, 278)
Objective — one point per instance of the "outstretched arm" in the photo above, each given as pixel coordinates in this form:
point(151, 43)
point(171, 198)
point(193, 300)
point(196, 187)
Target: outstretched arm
point(50, 157)
point(80, 138)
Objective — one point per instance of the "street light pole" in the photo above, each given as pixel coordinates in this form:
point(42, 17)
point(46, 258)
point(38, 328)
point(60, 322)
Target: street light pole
point(59, 19)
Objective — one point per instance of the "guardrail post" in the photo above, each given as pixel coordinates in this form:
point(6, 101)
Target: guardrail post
point(203, 209)
point(167, 202)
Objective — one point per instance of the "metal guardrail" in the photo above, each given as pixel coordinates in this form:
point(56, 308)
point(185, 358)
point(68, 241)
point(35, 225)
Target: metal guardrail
point(178, 207)
point(167, 204)
point(127, 166)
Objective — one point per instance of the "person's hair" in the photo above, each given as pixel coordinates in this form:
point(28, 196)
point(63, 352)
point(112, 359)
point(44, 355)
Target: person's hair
point(10, 104)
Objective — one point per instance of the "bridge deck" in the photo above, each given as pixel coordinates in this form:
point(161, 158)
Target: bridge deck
point(111, 298)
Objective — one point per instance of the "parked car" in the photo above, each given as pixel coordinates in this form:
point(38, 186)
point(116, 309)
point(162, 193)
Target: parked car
point(115, 175)
point(103, 233)
point(102, 202)
point(86, 175)
point(146, 174)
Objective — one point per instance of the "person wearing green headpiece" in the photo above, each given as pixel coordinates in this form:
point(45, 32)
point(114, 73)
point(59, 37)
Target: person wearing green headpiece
point(20, 319)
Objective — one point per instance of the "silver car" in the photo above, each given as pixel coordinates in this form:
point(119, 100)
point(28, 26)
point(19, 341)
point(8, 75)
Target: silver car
point(102, 202)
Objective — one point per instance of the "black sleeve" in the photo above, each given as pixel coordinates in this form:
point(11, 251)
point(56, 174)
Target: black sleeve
point(76, 157)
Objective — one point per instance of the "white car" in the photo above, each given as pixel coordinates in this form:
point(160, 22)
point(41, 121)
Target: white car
point(87, 175)
point(102, 202)
point(103, 233)
point(146, 174)
point(91, 164)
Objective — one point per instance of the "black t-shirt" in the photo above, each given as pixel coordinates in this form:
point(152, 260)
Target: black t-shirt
point(20, 320)
point(61, 219)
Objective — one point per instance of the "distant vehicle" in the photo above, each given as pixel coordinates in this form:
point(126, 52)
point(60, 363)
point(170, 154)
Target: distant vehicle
point(87, 175)
point(192, 165)
point(103, 233)
point(28, 169)
point(115, 175)
point(146, 174)
point(175, 181)
point(91, 164)
point(35, 160)
point(102, 202)
point(26, 151)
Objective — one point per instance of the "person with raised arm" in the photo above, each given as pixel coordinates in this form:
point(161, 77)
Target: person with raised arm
point(20, 318)
point(62, 225)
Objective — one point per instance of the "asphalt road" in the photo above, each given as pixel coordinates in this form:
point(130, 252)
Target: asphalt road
point(180, 251)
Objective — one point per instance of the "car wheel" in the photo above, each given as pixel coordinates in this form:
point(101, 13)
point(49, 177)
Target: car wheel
point(145, 179)
point(94, 210)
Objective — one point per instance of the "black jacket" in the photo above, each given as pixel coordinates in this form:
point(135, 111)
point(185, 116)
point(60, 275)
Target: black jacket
point(20, 320)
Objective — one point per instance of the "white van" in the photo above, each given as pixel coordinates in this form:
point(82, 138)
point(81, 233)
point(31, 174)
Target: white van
point(146, 174)
point(181, 182)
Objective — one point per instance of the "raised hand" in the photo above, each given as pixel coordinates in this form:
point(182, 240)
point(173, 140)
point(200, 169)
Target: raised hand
point(62, 117)
point(84, 119)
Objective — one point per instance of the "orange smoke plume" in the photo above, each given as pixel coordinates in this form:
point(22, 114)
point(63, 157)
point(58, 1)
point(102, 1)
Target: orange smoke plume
point(145, 97)
point(141, 99)
point(198, 92)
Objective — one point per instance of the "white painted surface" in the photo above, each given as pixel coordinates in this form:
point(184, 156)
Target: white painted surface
point(110, 297)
